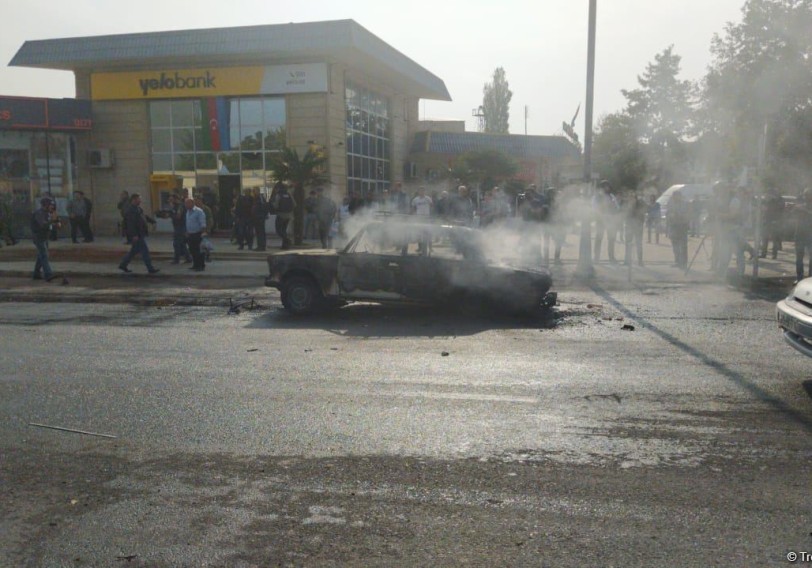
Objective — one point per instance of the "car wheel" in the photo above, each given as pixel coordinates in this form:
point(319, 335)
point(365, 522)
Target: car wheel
point(300, 295)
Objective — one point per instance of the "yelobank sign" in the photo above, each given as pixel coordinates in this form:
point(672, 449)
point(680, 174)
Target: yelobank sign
point(209, 82)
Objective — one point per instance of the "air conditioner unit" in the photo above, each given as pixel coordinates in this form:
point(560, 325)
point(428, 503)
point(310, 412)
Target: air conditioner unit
point(100, 158)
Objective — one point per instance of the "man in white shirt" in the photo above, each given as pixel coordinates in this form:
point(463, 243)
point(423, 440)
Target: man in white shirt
point(421, 204)
point(195, 231)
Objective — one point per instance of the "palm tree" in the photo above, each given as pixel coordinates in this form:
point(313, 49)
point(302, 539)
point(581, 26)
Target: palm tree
point(299, 172)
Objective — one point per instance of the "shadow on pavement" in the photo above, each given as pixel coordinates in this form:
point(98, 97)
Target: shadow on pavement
point(378, 321)
point(716, 365)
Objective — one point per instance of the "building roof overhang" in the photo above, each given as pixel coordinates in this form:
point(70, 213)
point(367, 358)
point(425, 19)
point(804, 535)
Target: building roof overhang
point(340, 41)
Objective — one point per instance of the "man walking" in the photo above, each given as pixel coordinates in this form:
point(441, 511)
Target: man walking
point(195, 231)
point(135, 225)
point(41, 222)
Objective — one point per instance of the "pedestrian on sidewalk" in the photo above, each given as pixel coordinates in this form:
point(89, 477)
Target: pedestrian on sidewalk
point(259, 212)
point(283, 205)
point(206, 245)
point(177, 213)
point(41, 224)
point(243, 221)
point(607, 211)
point(78, 216)
point(135, 224)
point(731, 235)
point(678, 222)
point(195, 231)
point(325, 213)
point(123, 203)
point(653, 219)
point(635, 209)
point(772, 219)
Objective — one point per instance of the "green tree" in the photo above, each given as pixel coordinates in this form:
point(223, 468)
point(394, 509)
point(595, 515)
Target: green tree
point(496, 103)
point(618, 155)
point(485, 167)
point(662, 113)
point(760, 79)
point(300, 172)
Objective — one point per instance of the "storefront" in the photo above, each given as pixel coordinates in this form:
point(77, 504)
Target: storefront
point(212, 108)
point(38, 155)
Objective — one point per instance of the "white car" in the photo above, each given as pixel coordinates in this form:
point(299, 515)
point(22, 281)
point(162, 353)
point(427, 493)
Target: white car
point(794, 315)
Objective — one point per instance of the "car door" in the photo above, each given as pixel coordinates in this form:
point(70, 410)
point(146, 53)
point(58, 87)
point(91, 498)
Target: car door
point(369, 270)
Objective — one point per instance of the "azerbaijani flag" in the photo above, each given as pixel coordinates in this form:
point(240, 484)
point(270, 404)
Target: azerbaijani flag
point(216, 124)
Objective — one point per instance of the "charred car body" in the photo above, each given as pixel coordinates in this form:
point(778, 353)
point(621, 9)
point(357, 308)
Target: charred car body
point(794, 315)
point(393, 261)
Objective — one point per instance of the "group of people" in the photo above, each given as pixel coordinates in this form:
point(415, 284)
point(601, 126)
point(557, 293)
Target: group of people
point(251, 210)
point(727, 221)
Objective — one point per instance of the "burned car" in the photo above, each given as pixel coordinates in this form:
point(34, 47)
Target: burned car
point(394, 261)
point(794, 316)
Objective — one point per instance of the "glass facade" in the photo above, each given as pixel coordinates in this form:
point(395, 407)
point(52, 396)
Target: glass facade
point(368, 140)
point(203, 139)
point(34, 164)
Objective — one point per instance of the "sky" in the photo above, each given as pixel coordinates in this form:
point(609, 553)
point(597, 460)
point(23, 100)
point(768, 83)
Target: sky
point(541, 44)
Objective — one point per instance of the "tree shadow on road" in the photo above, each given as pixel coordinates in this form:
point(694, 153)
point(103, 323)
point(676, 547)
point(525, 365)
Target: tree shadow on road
point(737, 378)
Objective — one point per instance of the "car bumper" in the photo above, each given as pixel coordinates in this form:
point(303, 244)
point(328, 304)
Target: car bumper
point(797, 326)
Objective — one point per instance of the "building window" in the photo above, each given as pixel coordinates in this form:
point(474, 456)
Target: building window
point(201, 139)
point(368, 140)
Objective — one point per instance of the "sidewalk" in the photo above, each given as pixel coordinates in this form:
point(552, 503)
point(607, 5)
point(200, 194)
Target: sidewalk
point(100, 259)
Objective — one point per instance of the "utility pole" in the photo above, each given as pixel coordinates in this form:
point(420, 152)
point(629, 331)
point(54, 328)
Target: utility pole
point(585, 268)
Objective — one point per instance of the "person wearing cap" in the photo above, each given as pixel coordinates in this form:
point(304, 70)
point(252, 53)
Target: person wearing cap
point(41, 224)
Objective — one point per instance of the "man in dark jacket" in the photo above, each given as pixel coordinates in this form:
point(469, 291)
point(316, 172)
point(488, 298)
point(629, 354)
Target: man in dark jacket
point(41, 222)
point(284, 205)
point(259, 212)
point(177, 213)
point(135, 225)
point(244, 222)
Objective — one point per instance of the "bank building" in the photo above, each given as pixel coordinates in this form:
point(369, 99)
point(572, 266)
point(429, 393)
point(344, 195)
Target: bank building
point(207, 110)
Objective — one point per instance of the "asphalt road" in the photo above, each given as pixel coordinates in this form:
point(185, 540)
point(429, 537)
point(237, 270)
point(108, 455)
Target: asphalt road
point(381, 437)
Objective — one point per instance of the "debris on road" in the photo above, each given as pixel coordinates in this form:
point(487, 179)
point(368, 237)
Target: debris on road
point(244, 303)
point(252, 350)
point(627, 327)
point(60, 428)
point(444, 353)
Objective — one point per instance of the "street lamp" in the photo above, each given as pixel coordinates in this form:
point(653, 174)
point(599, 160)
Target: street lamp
point(585, 269)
